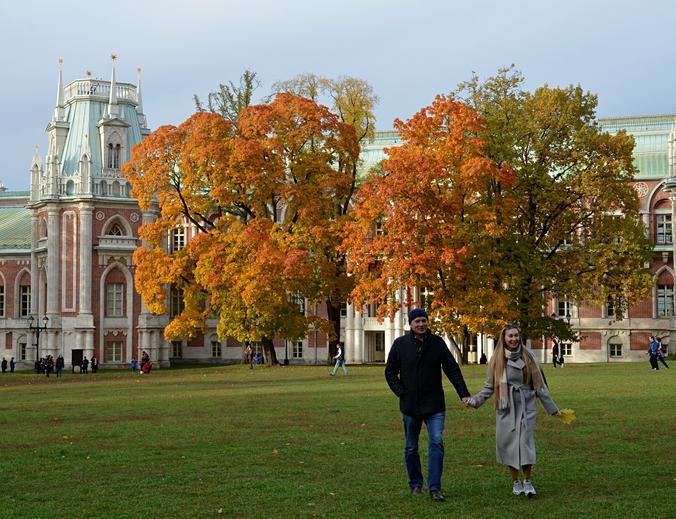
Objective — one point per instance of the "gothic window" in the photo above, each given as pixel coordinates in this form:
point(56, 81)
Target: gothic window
point(665, 300)
point(25, 301)
point(297, 352)
point(116, 230)
point(2, 300)
point(115, 300)
point(116, 157)
point(610, 307)
point(177, 349)
point(216, 350)
point(109, 156)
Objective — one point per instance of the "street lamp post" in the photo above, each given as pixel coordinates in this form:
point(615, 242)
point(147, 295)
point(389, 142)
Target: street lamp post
point(37, 329)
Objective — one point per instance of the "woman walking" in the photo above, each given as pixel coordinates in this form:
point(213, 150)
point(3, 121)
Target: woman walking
point(516, 380)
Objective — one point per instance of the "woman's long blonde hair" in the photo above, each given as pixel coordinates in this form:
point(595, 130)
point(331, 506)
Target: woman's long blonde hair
point(496, 366)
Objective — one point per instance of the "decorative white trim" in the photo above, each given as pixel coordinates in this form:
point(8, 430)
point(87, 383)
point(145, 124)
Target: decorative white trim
point(65, 307)
point(129, 306)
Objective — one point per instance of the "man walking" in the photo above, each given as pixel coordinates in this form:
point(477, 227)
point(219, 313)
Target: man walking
point(339, 357)
point(413, 372)
point(652, 351)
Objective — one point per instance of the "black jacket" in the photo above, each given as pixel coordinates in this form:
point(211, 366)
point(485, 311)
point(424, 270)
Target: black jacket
point(413, 372)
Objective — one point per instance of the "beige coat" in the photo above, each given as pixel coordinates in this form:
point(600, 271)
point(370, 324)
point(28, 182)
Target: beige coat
point(515, 426)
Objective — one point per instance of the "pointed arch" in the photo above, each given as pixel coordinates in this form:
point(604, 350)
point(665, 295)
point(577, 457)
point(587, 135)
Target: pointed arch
point(22, 294)
point(121, 223)
point(3, 298)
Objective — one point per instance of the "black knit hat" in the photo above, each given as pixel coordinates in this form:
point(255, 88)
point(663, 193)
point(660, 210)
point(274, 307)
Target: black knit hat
point(416, 312)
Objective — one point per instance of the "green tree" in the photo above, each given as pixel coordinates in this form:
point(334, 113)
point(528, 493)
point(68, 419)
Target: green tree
point(353, 100)
point(577, 232)
point(230, 99)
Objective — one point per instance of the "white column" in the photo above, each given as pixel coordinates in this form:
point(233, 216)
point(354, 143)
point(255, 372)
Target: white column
point(490, 347)
point(85, 260)
point(358, 333)
point(34, 266)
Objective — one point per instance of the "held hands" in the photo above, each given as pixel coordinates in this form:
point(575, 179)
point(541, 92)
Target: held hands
point(469, 401)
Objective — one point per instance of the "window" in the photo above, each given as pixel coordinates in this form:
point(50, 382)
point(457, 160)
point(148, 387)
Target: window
point(25, 297)
point(665, 300)
point(115, 230)
point(177, 239)
point(299, 301)
point(566, 349)
point(343, 309)
point(297, 350)
point(564, 308)
point(380, 341)
point(115, 300)
point(22, 351)
point(215, 349)
point(2, 300)
point(615, 350)
point(113, 351)
point(176, 305)
point(663, 227)
point(426, 298)
point(177, 349)
point(113, 156)
point(110, 156)
point(610, 307)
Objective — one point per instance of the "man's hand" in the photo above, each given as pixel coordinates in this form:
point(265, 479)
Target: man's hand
point(466, 400)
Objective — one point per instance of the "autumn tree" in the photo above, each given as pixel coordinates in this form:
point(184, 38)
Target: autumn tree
point(353, 100)
point(576, 232)
point(433, 219)
point(262, 193)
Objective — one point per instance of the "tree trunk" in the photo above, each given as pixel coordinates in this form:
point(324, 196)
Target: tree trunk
point(269, 349)
point(333, 312)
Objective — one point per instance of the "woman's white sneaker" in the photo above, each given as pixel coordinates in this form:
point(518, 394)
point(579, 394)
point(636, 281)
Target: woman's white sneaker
point(517, 489)
point(528, 488)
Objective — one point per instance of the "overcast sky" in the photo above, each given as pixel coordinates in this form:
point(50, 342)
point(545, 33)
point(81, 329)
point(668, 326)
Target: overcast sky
point(408, 51)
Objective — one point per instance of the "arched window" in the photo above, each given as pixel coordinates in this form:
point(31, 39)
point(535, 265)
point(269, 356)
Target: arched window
point(2, 298)
point(665, 294)
point(115, 230)
point(70, 187)
point(104, 188)
point(42, 228)
point(109, 156)
point(115, 299)
point(115, 189)
point(116, 157)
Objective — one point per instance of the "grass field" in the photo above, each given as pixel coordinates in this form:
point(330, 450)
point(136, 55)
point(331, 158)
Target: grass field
point(294, 442)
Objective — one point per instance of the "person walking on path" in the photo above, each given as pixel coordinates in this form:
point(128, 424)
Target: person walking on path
point(12, 364)
point(516, 379)
point(660, 355)
point(652, 352)
point(339, 357)
point(60, 363)
point(413, 373)
point(555, 354)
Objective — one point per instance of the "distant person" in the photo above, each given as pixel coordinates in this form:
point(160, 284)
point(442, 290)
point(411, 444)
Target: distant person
point(12, 364)
point(95, 364)
point(516, 380)
point(660, 354)
point(248, 353)
point(4, 365)
point(85, 366)
point(134, 365)
point(652, 352)
point(49, 365)
point(147, 366)
point(555, 354)
point(60, 363)
point(339, 357)
point(413, 372)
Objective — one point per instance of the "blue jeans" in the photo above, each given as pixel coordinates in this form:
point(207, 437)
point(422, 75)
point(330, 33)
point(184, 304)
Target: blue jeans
point(339, 363)
point(435, 451)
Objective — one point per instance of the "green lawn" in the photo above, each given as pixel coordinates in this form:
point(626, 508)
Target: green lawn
point(294, 442)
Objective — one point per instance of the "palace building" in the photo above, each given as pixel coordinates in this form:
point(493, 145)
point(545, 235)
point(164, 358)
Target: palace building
point(66, 253)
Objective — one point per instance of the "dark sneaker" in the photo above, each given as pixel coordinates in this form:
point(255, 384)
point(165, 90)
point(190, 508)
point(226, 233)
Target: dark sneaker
point(417, 491)
point(436, 496)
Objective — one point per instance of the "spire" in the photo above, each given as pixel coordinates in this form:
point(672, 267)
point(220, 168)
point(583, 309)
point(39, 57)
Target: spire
point(112, 101)
point(36, 158)
point(139, 99)
point(58, 111)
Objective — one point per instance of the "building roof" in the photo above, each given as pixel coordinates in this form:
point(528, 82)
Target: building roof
point(15, 229)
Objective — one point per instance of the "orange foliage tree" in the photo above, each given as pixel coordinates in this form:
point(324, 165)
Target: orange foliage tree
point(434, 218)
point(261, 194)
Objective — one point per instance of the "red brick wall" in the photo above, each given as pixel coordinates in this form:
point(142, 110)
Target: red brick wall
point(640, 340)
point(590, 341)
